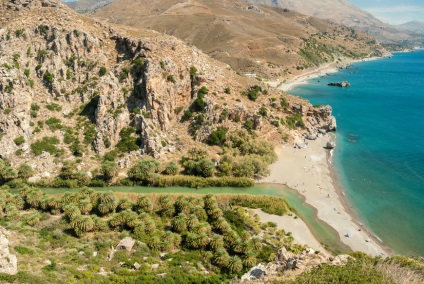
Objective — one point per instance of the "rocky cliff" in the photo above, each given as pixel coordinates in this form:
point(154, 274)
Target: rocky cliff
point(72, 88)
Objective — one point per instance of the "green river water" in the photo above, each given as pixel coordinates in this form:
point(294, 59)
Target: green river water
point(325, 234)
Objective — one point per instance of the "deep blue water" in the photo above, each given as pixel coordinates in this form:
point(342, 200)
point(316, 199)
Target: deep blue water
point(380, 144)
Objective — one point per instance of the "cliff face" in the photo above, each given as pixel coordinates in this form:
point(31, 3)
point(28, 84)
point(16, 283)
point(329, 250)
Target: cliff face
point(72, 88)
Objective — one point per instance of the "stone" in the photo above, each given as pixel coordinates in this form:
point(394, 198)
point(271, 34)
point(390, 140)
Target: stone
point(126, 243)
point(94, 253)
point(330, 145)
point(161, 275)
point(8, 261)
point(155, 266)
point(136, 265)
point(343, 84)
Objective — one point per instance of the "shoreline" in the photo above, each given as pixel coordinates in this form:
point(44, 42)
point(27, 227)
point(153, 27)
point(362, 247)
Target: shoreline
point(317, 72)
point(310, 172)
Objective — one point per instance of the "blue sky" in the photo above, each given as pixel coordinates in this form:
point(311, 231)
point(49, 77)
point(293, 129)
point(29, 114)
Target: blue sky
point(393, 11)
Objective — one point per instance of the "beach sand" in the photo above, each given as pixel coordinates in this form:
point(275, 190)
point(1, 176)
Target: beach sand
point(300, 231)
point(309, 172)
point(323, 70)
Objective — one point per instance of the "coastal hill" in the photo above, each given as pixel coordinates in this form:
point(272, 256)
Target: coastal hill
point(78, 94)
point(86, 6)
point(342, 12)
point(413, 26)
point(256, 39)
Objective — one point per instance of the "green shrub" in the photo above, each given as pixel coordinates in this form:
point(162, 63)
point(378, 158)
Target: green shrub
point(128, 142)
point(217, 137)
point(19, 140)
point(54, 107)
point(47, 144)
point(253, 92)
point(102, 71)
point(187, 115)
point(227, 91)
point(171, 169)
point(197, 163)
point(54, 123)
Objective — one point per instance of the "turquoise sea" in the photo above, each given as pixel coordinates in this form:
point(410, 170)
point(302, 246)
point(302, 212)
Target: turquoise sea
point(379, 156)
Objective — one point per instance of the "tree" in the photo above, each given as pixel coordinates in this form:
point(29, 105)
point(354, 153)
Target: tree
point(217, 137)
point(102, 71)
point(109, 169)
point(141, 170)
point(25, 171)
point(234, 265)
point(171, 169)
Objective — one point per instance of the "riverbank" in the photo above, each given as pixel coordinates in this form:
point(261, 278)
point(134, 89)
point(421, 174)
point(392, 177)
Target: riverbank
point(309, 172)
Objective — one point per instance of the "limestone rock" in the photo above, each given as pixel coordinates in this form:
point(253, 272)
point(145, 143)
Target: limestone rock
point(126, 243)
point(8, 261)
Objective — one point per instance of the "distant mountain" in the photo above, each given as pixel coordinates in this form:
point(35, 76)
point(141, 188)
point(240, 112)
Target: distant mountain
point(413, 26)
point(342, 12)
point(258, 39)
point(86, 6)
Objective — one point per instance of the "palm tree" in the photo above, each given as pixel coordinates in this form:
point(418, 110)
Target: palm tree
point(71, 211)
point(166, 206)
point(145, 217)
point(33, 218)
point(179, 223)
point(150, 226)
point(245, 235)
point(125, 204)
point(131, 219)
point(215, 213)
point(154, 243)
point(191, 240)
point(99, 223)
point(11, 211)
point(107, 198)
point(249, 260)
point(55, 203)
point(216, 242)
point(168, 241)
point(234, 265)
point(144, 204)
point(116, 221)
point(256, 244)
point(33, 198)
point(202, 228)
point(91, 193)
point(221, 257)
point(18, 201)
point(139, 230)
point(192, 221)
point(202, 240)
point(230, 238)
point(180, 204)
point(209, 201)
point(85, 206)
point(200, 213)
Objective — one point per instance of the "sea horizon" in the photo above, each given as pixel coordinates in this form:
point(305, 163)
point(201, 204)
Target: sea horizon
point(378, 159)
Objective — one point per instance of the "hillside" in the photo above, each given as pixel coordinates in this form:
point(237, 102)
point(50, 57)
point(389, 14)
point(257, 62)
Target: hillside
point(342, 12)
point(413, 26)
point(86, 6)
point(263, 40)
point(83, 101)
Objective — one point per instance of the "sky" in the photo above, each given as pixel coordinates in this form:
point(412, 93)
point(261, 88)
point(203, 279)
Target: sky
point(393, 11)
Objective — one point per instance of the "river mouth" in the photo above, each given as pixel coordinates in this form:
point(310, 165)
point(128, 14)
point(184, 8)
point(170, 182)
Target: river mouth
point(323, 232)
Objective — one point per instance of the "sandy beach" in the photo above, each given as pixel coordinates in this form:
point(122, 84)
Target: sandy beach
point(323, 70)
point(309, 172)
point(300, 231)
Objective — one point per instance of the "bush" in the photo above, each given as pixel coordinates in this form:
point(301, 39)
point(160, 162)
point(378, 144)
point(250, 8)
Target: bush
point(47, 144)
point(171, 169)
point(25, 171)
point(128, 143)
point(197, 163)
point(143, 170)
point(187, 115)
point(48, 78)
point(54, 123)
point(217, 137)
point(102, 71)
point(253, 92)
point(19, 141)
